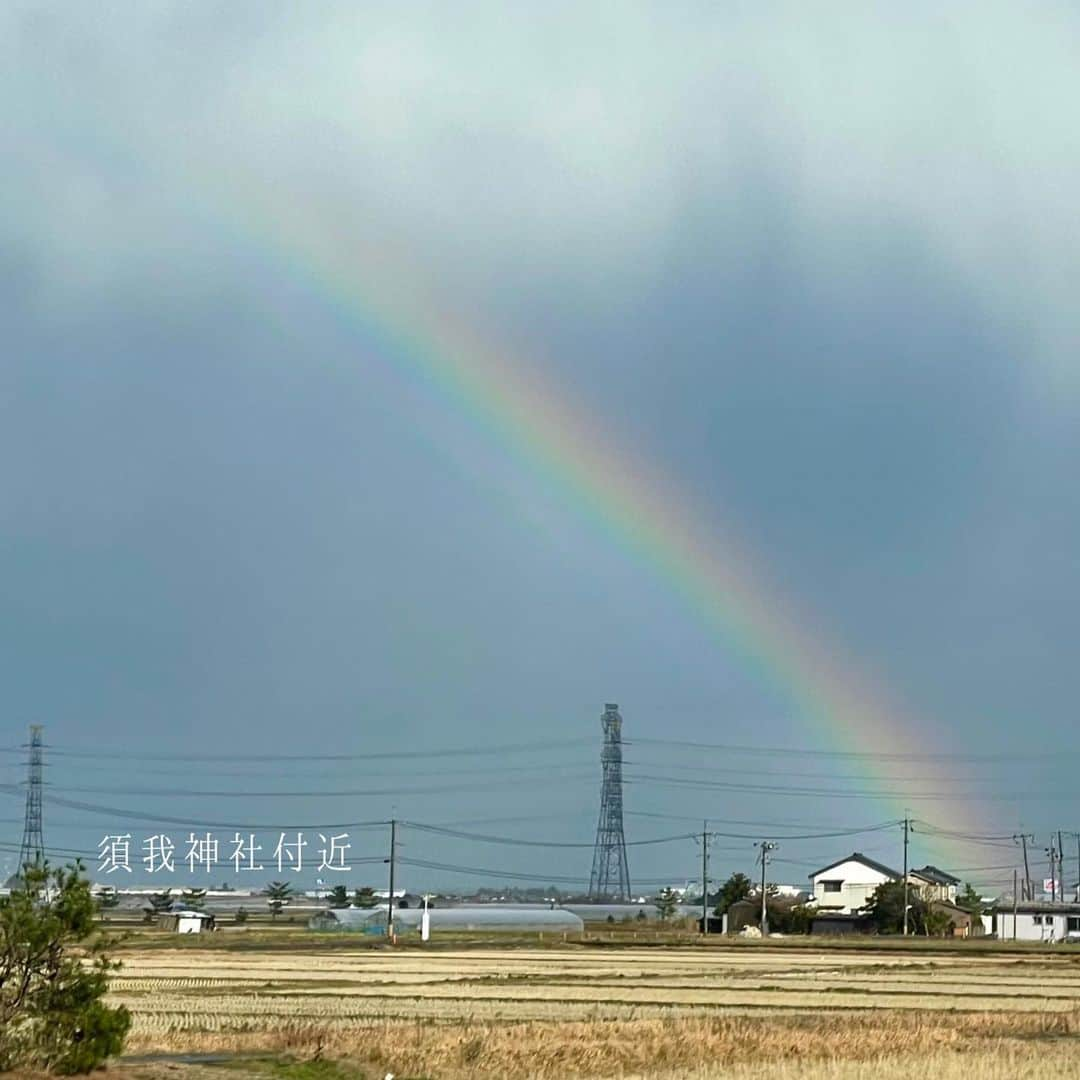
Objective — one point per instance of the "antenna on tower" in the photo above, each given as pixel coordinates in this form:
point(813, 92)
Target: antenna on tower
point(610, 878)
point(32, 850)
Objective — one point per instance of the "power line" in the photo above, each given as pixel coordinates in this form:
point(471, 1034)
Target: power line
point(240, 774)
point(514, 875)
point(749, 770)
point(832, 793)
point(164, 819)
point(486, 749)
point(517, 842)
point(867, 755)
point(324, 793)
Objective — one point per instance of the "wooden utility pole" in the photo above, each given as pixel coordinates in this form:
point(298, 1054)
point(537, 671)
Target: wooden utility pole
point(907, 828)
point(1051, 853)
point(704, 877)
point(766, 847)
point(1023, 838)
point(390, 898)
point(1077, 836)
point(1061, 869)
point(1014, 906)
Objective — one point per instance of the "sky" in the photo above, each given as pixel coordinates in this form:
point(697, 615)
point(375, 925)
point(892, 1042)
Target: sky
point(813, 279)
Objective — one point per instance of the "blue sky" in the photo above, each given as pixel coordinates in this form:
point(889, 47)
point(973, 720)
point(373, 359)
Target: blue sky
point(819, 272)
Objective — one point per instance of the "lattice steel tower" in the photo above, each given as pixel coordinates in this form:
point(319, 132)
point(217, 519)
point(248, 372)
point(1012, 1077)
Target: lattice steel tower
point(610, 878)
point(33, 842)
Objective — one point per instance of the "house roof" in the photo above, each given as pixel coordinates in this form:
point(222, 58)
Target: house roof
point(859, 857)
point(938, 877)
point(1038, 907)
point(948, 905)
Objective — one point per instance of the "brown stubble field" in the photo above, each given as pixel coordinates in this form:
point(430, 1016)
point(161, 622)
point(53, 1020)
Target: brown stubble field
point(623, 1011)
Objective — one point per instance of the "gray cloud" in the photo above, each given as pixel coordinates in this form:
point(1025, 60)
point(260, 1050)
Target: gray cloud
point(818, 271)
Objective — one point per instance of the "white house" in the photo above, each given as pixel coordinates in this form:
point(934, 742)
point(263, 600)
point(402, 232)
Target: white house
point(1038, 921)
point(845, 886)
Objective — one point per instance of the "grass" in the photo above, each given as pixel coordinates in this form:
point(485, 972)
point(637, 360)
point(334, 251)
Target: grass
point(573, 1011)
point(683, 1047)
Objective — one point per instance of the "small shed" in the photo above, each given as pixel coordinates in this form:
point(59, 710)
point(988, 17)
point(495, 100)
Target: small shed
point(961, 921)
point(186, 922)
point(834, 923)
point(743, 913)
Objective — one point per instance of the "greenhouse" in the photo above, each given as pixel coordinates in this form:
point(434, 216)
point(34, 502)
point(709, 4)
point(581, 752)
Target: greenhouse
point(619, 913)
point(490, 918)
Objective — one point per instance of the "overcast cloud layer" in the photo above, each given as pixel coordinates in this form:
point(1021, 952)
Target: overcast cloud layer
point(821, 272)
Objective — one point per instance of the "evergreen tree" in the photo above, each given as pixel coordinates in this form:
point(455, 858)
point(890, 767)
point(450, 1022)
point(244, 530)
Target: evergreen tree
point(665, 902)
point(278, 893)
point(194, 899)
point(365, 897)
point(737, 887)
point(54, 977)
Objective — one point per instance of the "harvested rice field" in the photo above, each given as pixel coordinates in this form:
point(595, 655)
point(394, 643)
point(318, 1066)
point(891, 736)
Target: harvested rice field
point(598, 1012)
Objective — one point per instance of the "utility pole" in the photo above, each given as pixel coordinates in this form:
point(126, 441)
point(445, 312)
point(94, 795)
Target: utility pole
point(1076, 836)
point(390, 898)
point(1023, 838)
point(766, 846)
point(907, 829)
point(1061, 869)
point(1014, 906)
point(1051, 853)
point(704, 877)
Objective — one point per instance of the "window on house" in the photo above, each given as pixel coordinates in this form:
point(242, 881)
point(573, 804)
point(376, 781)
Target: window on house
point(832, 886)
point(1074, 924)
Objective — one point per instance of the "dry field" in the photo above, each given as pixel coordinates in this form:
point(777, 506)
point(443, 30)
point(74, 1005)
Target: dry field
point(646, 1012)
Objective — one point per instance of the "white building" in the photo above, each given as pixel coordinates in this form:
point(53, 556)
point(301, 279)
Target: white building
point(186, 922)
point(845, 886)
point(1036, 921)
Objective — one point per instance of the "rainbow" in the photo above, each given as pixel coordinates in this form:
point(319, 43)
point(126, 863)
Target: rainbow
point(636, 507)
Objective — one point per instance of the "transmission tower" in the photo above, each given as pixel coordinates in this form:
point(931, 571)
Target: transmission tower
point(33, 843)
point(610, 878)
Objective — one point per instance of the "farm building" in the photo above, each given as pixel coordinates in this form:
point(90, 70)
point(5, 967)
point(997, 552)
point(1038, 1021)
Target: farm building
point(747, 912)
point(491, 918)
point(961, 921)
point(835, 923)
point(1035, 921)
point(186, 922)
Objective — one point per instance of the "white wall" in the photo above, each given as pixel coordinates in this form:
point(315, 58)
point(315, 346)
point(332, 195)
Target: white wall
point(858, 883)
point(1034, 927)
point(932, 891)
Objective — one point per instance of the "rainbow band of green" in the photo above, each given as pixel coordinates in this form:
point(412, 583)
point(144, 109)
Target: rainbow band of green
point(636, 508)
